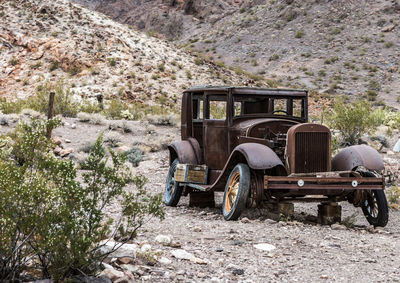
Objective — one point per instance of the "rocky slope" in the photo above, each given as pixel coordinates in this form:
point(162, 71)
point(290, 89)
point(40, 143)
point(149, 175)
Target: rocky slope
point(336, 47)
point(51, 40)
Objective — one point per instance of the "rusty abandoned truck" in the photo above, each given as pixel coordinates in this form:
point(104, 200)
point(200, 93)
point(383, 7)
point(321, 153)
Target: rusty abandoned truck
point(257, 146)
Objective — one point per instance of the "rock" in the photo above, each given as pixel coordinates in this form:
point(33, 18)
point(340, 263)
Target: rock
point(337, 226)
point(232, 266)
point(198, 260)
point(324, 276)
point(265, 247)
point(66, 152)
point(125, 260)
point(57, 150)
point(182, 254)
point(113, 274)
point(176, 245)
point(245, 220)
point(73, 126)
point(145, 248)
point(57, 140)
point(218, 250)
point(164, 260)
point(124, 279)
point(388, 28)
point(238, 271)
point(197, 229)
point(163, 239)
point(126, 250)
point(123, 148)
point(67, 141)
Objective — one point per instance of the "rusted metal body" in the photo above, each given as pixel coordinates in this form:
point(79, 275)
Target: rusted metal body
point(267, 130)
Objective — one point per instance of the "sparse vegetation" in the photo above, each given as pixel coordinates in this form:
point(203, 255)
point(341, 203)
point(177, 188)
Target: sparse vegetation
point(299, 34)
point(352, 120)
point(51, 223)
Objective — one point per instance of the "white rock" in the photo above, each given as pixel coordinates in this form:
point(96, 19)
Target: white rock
point(198, 260)
point(163, 239)
point(265, 247)
point(164, 260)
point(73, 126)
point(145, 248)
point(107, 266)
point(182, 254)
point(124, 250)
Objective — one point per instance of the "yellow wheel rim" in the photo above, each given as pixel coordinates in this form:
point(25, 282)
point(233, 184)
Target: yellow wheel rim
point(233, 189)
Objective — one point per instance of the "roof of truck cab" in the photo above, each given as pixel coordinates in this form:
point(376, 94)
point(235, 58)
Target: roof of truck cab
point(250, 90)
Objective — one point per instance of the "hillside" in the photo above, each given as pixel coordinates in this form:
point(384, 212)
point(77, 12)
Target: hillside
point(334, 47)
point(47, 41)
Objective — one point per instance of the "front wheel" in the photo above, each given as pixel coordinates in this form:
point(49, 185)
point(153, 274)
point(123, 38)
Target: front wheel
point(173, 190)
point(236, 192)
point(375, 207)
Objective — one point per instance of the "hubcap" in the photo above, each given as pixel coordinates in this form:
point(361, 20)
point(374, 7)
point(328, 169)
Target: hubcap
point(231, 194)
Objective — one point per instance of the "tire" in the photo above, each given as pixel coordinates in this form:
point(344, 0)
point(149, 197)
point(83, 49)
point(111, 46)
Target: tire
point(375, 207)
point(236, 192)
point(172, 191)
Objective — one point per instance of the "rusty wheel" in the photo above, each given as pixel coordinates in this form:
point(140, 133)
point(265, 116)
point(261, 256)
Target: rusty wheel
point(236, 192)
point(173, 190)
point(375, 206)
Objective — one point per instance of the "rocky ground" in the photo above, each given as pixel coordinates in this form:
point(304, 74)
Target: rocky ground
point(334, 47)
point(48, 41)
point(198, 245)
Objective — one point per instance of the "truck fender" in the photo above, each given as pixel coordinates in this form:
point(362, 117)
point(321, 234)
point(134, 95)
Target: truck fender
point(187, 151)
point(357, 155)
point(257, 157)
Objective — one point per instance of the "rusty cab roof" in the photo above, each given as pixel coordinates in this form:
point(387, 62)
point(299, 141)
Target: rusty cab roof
point(298, 93)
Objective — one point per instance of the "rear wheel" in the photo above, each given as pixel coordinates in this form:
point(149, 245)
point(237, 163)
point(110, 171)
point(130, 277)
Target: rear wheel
point(375, 207)
point(173, 190)
point(236, 192)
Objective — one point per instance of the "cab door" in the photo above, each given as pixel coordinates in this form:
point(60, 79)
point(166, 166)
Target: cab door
point(215, 131)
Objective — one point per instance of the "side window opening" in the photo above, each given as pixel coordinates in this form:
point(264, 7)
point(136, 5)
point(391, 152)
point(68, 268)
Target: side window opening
point(217, 108)
point(198, 106)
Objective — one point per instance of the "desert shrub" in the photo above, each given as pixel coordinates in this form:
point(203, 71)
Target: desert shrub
point(352, 120)
point(114, 109)
point(134, 155)
point(51, 225)
point(90, 107)
point(393, 194)
point(163, 120)
point(123, 125)
point(113, 139)
point(92, 118)
point(127, 115)
point(87, 147)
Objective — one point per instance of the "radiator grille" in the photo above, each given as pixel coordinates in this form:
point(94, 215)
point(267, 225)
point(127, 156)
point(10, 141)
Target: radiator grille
point(311, 152)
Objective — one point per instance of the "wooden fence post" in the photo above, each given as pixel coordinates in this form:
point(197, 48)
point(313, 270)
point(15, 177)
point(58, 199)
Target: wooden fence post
point(50, 113)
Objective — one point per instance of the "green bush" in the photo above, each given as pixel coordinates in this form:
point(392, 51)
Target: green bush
point(352, 120)
point(134, 155)
point(51, 225)
point(63, 102)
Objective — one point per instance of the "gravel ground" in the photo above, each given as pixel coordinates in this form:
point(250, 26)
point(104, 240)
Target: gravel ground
point(304, 251)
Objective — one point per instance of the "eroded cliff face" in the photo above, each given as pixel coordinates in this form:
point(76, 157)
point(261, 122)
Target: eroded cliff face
point(166, 17)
